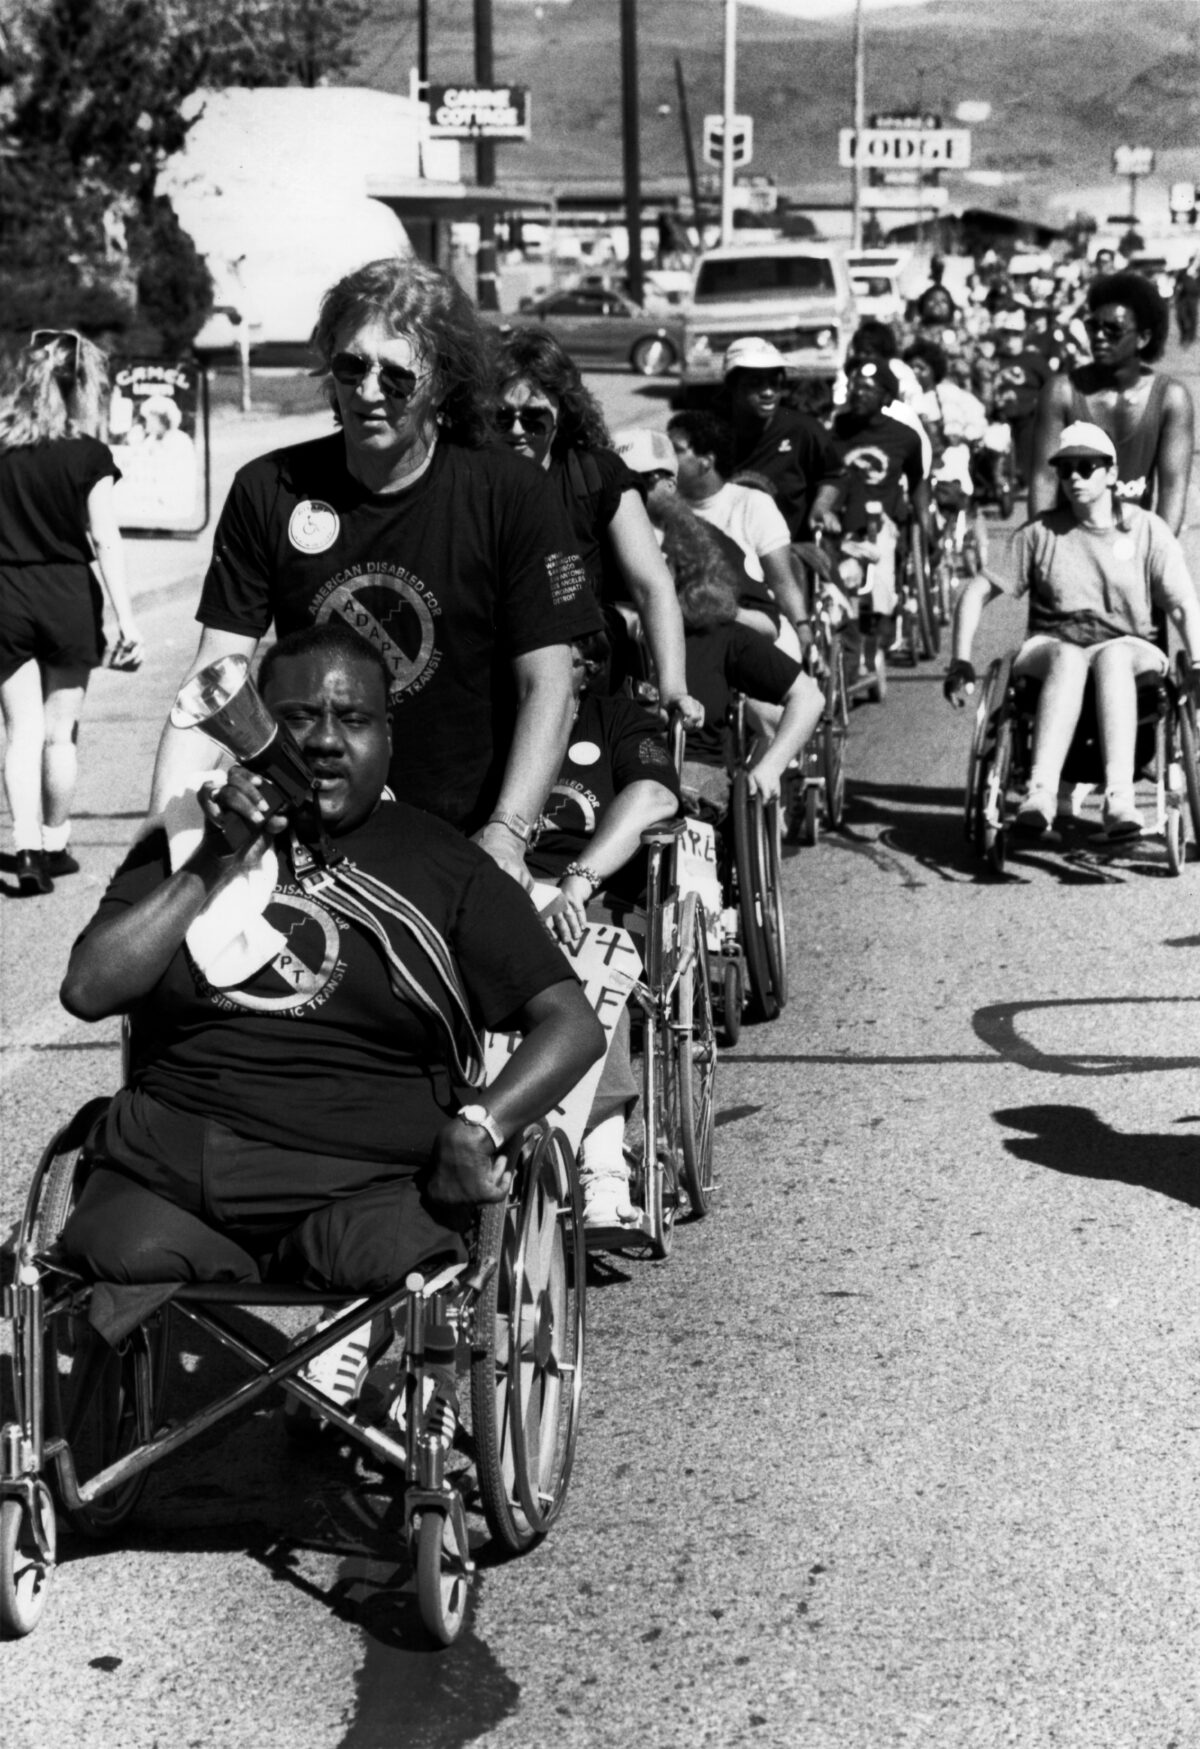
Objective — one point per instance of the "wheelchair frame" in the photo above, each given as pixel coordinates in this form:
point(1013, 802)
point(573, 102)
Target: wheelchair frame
point(514, 1316)
point(821, 775)
point(998, 762)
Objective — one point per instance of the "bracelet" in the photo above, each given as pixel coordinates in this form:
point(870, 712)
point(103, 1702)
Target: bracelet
point(582, 873)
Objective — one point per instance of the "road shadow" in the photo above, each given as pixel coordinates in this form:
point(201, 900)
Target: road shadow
point(1073, 1140)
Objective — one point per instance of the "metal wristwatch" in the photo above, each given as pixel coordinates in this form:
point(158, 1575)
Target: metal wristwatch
point(517, 824)
point(480, 1115)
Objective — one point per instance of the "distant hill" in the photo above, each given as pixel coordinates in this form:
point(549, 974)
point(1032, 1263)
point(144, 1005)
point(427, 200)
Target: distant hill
point(1067, 81)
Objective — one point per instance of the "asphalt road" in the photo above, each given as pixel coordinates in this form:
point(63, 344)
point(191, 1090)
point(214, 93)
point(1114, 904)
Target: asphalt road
point(899, 1448)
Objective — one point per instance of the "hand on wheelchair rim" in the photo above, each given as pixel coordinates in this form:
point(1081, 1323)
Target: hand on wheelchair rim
point(959, 683)
point(465, 1170)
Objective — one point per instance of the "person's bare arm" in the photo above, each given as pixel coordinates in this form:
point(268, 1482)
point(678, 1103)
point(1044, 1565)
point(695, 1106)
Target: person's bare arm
point(562, 1039)
point(545, 710)
point(105, 534)
point(182, 751)
point(652, 591)
point(1175, 446)
point(1053, 414)
point(780, 577)
point(633, 811)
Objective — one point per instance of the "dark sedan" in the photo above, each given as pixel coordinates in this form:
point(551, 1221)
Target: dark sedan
point(599, 327)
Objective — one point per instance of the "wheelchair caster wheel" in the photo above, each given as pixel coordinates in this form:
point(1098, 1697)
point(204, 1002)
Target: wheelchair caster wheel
point(732, 999)
point(442, 1583)
point(26, 1562)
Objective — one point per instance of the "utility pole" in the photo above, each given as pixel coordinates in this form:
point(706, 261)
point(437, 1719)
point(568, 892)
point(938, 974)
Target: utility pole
point(859, 123)
point(486, 291)
point(632, 148)
point(423, 41)
point(730, 106)
point(689, 145)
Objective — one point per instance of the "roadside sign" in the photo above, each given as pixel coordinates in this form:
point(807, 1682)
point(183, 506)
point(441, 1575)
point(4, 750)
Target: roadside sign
point(473, 112)
point(1133, 161)
point(158, 434)
point(741, 144)
point(1182, 198)
point(906, 148)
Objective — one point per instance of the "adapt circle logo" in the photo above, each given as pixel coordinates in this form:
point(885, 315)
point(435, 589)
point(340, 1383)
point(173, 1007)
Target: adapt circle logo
point(396, 614)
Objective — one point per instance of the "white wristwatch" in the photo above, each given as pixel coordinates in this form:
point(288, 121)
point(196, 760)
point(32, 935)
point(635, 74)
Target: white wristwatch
point(479, 1114)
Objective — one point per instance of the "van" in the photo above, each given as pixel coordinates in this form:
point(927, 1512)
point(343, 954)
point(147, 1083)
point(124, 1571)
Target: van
point(796, 295)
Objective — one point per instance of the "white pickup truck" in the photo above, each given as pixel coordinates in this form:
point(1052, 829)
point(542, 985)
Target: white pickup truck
point(796, 295)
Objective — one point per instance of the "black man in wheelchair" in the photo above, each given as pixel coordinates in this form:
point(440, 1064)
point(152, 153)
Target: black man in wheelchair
point(1096, 570)
point(304, 999)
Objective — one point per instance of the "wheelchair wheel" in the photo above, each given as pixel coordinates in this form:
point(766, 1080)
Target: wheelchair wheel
point(696, 1044)
point(1189, 752)
point(1176, 838)
point(811, 830)
point(760, 897)
point(992, 832)
point(929, 634)
point(26, 1561)
point(527, 1362)
point(442, 1582)
point(833, 735)
point(102, 1400)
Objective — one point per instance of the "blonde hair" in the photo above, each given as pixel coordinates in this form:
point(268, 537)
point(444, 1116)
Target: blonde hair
point(59, 389)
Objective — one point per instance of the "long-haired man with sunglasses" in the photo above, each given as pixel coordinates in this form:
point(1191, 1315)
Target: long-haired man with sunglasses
point(436, 544)
point(1095, 571)
point(1147, 415)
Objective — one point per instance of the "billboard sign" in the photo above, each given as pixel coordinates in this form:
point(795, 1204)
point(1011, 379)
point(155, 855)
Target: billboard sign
point(1133, 161)
point(906, 148)
point(742, 143)
point(152, 421)
point(473, 112)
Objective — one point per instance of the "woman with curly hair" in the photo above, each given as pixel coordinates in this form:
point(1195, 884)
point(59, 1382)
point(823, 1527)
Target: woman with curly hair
point(57, 517)
point(447, 553)
point(546, 415)
point(724, 657)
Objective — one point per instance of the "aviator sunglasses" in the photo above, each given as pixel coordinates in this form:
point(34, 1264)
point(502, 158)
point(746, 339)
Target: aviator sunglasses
point(1083, 465)
point(1107, 330)
point(396, 380)
point(45, 339)
point(535, 421)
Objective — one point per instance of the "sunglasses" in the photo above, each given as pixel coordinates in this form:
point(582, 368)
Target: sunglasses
point(396, 380)
point(1108, 330)
point(45, 339)
point(1083, 465)
point(534, 421)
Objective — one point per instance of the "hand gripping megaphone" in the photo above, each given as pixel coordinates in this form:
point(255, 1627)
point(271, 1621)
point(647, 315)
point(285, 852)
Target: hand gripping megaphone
point(223, 703)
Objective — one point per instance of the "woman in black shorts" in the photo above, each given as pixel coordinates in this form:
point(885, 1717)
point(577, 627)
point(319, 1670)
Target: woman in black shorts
point(56, 515)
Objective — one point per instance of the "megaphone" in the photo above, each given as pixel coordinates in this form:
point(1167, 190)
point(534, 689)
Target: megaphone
point(223, 703)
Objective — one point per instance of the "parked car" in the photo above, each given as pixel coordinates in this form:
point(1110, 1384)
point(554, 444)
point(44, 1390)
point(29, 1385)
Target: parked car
point(797, 295)
point(600, 326)
point(875, 276)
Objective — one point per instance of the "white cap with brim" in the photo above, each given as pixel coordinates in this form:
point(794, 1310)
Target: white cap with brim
point(753, 353)
point(1084, 439)
point(646, 451)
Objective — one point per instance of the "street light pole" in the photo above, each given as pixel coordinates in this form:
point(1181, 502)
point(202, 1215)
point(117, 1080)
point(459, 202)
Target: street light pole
point(487, 291)
point(730, 106)
point(859, 123)
point(632, 148)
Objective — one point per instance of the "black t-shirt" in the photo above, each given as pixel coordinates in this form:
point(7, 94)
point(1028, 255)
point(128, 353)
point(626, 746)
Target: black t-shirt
point(315, 1051)
point(1018, 383)
point(721, 661)
point(590, 485)
point(452, 578)
point(44, 491)
point(794, 453)
point(614, 743)
point(881, 455)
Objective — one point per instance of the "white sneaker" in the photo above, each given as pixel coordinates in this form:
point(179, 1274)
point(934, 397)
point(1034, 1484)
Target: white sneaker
point(1122, 818)
point(340, 1372)
point(604, 1175)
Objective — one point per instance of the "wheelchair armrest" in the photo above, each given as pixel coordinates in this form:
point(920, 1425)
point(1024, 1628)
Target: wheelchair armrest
point(665, 834)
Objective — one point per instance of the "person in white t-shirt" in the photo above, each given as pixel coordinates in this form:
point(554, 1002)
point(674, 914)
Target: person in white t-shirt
point(772, 600)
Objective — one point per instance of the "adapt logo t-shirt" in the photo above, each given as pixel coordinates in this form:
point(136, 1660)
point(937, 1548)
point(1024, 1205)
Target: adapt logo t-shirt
point(450, 579)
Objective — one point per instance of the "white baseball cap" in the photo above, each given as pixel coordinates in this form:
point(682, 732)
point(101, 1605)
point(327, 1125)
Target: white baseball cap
point(1084, 439)
point(646, 451)
point(753, 353)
